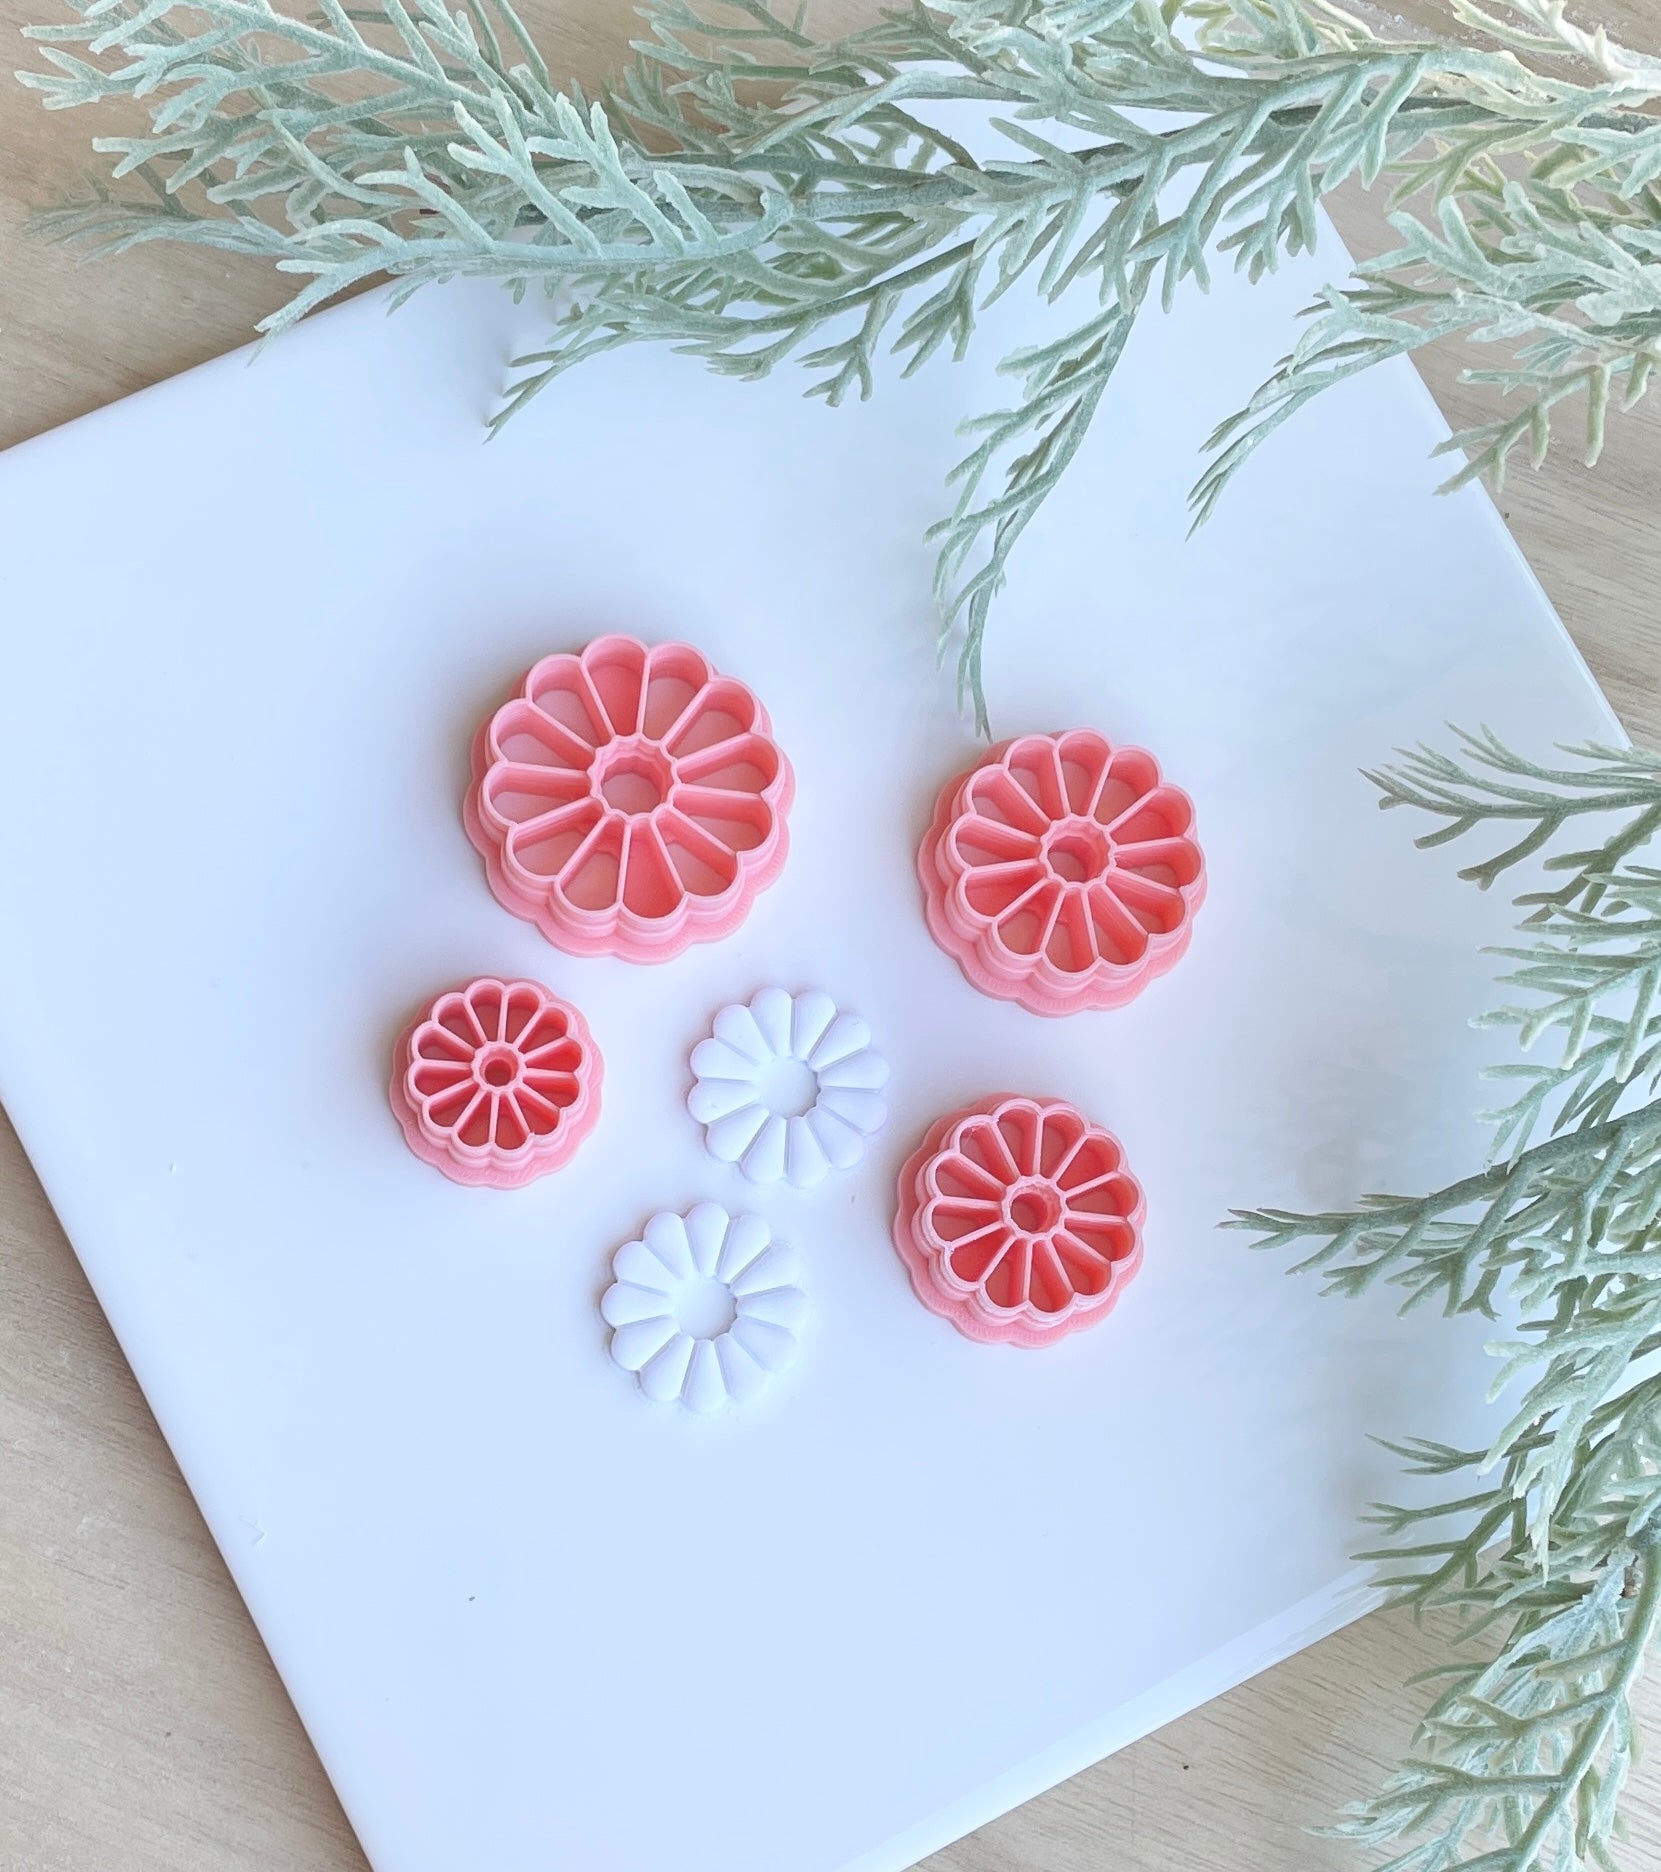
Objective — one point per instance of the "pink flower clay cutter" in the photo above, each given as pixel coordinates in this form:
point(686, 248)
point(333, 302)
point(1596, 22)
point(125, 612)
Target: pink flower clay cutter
point(788, 1087)
point(1062, 872)
point(704, 1308)
point(629, 801)
point(1018, 1221)
point(496, 1083)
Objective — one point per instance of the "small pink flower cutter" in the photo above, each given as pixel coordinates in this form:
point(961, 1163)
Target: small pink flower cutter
point(1062, 872)
point(496, 1083)
point(629, 801)
point(1018, 1221)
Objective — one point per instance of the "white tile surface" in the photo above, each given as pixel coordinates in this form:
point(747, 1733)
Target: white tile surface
point(254, 617)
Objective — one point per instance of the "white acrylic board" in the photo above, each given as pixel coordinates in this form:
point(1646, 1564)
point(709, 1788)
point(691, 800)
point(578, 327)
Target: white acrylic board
point(252, 618)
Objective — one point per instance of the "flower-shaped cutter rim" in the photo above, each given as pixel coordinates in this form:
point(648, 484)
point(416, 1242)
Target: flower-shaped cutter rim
point(490, 1164)
point(972, 938)
point(984, 1322)
point(620, 928)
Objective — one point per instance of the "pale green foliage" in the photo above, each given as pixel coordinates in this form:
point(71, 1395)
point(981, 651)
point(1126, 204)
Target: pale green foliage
point(1542, 236)
point(750, 195)
point(1547, 1543)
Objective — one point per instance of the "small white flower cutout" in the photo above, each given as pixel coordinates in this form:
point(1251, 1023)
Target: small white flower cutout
point(788, 1087)
point(704, 1308)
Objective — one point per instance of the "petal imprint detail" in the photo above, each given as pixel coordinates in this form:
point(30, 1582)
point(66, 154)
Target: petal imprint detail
point(496, 1083)
point(788, 1087)
point(1018, 1221)
point(629, 801)
point(1062, 872)
point(704, 1308)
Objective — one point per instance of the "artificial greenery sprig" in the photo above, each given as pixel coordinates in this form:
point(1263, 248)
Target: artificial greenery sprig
point(750, 195)
point(1547, 1544)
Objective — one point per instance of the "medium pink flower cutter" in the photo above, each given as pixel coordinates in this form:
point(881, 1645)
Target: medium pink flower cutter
point(496, 1083)
point(1062, 872)
point(629, 801)
point(1017, 1220)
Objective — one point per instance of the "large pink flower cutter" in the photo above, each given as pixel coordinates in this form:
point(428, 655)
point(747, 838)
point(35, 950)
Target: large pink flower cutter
point(629, 801)
point(1017, 1220)
point(1062, 872)
point(496, 1083)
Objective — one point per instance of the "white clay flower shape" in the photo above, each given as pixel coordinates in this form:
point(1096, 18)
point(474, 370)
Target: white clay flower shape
point(704, 1308)
point(788, 1087)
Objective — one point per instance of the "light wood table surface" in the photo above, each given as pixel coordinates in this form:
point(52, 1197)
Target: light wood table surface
point(142, 1728)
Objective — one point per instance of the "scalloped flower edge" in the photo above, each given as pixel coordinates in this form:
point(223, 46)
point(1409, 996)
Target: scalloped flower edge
point(487, 1162)
point(732, 1095)
point(966, 1311)
point(619, 929)
point(673, 1361)
point(1037, 984)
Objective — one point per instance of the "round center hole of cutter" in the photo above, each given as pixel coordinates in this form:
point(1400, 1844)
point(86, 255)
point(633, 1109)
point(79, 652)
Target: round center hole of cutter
point(1078, 851)
point(787, 1087)
point(634, 779)
point(704, 1309)
point(498, 1066)
point(1033, 1208)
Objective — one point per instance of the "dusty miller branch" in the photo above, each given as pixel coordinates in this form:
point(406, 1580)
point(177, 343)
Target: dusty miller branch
point(1547, 1544)
point(752, 196)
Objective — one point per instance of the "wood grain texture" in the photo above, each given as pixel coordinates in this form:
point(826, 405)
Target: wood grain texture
point(142, 1728)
